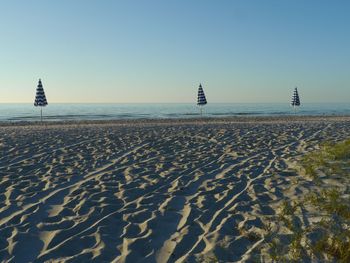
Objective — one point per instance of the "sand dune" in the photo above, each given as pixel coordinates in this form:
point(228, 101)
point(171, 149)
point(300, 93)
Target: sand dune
point(148, 191)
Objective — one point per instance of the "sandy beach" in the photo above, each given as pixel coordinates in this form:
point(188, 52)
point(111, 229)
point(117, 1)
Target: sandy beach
point(150, 190)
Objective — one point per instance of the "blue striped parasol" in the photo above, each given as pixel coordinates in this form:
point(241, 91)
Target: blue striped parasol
point(201, 100)
point(40, 98)
point(295, 99)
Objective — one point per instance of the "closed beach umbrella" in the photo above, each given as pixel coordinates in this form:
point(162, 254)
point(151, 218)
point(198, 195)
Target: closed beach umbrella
point(295, 99)
point(40, 98)
point(201, 100)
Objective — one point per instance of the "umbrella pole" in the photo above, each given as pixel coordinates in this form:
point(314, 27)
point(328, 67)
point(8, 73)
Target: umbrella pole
point(41, 114)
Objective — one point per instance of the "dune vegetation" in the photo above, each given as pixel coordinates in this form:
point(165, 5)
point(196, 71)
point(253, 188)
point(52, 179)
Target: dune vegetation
point(316, 225)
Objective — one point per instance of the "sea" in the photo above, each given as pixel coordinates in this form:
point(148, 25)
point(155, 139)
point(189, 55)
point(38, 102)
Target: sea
point(66, 112)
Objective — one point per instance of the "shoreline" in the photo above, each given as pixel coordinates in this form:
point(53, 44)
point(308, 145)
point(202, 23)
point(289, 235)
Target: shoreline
point(179, 121)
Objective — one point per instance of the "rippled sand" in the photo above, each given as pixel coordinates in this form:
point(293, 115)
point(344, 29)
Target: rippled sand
point(148, 191)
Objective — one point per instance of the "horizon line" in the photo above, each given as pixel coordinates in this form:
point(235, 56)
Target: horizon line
point(194, 103)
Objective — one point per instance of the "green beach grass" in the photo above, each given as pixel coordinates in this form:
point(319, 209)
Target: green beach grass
point(326, 236)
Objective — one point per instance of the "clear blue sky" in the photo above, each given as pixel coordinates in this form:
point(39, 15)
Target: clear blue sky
point(159, 51)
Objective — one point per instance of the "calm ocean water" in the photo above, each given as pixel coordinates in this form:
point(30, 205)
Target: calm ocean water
point(59, 112)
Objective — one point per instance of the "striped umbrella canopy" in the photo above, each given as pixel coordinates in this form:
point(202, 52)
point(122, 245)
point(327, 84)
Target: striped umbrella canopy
point(201, 100)
point(295, 99)
point(40, 98)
